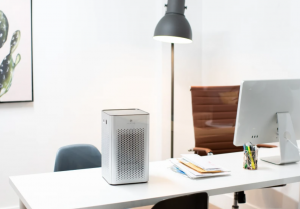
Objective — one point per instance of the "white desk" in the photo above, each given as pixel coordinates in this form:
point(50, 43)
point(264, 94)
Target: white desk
point(87, 188)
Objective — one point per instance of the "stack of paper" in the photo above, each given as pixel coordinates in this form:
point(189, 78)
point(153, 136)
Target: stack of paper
point(194, 166)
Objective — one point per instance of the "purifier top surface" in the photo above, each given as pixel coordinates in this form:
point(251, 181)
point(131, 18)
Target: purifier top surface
point(125, 112)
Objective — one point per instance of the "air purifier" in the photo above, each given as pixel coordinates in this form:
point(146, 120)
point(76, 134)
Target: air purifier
point(125, 146)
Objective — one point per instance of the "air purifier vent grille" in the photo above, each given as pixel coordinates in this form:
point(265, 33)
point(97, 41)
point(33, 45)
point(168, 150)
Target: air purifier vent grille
point(131, 154)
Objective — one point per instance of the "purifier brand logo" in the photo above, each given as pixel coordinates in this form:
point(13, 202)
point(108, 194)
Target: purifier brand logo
point(131, 121)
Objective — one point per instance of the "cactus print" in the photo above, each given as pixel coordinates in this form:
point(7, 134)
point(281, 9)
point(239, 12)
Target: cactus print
point(3, 28)
point(8, 65)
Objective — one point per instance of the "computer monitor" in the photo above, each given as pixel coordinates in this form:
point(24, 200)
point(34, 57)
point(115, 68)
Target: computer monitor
point(269, 111)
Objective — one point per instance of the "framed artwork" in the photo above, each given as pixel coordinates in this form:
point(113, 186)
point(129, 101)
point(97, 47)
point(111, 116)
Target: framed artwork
point(16, 68)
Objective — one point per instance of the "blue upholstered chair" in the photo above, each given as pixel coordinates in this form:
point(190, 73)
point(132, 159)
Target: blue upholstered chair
point(78, 156)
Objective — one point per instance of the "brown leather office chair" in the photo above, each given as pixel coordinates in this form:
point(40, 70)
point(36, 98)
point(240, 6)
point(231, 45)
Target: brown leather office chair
point(214, 115)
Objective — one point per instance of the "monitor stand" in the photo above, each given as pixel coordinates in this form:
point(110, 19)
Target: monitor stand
point(288, 152)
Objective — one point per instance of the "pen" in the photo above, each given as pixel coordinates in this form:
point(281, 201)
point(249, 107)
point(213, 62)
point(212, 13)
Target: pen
point(250, 154)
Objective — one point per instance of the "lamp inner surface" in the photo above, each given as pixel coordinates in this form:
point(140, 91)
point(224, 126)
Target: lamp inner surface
point(173, 39)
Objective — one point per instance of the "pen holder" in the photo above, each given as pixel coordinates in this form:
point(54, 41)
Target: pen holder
point(250, 160)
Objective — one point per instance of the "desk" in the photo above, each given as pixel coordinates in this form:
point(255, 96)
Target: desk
point(87, 189)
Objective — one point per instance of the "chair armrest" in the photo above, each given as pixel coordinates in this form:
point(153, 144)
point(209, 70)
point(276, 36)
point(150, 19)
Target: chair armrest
point(266, 146)
point(202, 150)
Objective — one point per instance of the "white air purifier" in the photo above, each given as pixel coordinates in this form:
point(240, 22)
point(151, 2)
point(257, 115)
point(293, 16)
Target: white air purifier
point(125, 146)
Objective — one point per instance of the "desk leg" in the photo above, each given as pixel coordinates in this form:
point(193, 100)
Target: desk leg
point(22, 206)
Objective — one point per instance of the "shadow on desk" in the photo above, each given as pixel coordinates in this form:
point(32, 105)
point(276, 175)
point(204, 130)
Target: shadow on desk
point(211, 206)
point(274, 197)
point(259, 198)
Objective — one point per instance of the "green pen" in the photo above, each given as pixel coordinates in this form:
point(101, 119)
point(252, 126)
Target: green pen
point(245, 152)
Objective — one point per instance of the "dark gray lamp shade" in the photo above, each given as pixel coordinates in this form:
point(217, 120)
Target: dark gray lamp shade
point(174, 27)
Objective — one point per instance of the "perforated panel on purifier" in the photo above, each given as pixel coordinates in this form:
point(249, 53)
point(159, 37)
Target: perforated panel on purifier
point(130, 154)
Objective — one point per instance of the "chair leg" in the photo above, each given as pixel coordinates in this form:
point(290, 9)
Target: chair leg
point(235, 201)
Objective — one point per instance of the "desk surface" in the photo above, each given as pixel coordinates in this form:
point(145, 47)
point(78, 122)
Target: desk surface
point(87, 188)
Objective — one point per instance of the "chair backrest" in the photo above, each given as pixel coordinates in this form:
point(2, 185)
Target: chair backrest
point(193, 201)
point(78, 156)
point(214, 115)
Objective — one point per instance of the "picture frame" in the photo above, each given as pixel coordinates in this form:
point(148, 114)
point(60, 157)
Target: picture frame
point(16, 51)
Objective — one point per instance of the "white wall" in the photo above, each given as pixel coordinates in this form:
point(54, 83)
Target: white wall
point(250, 40)
point(89, 55)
